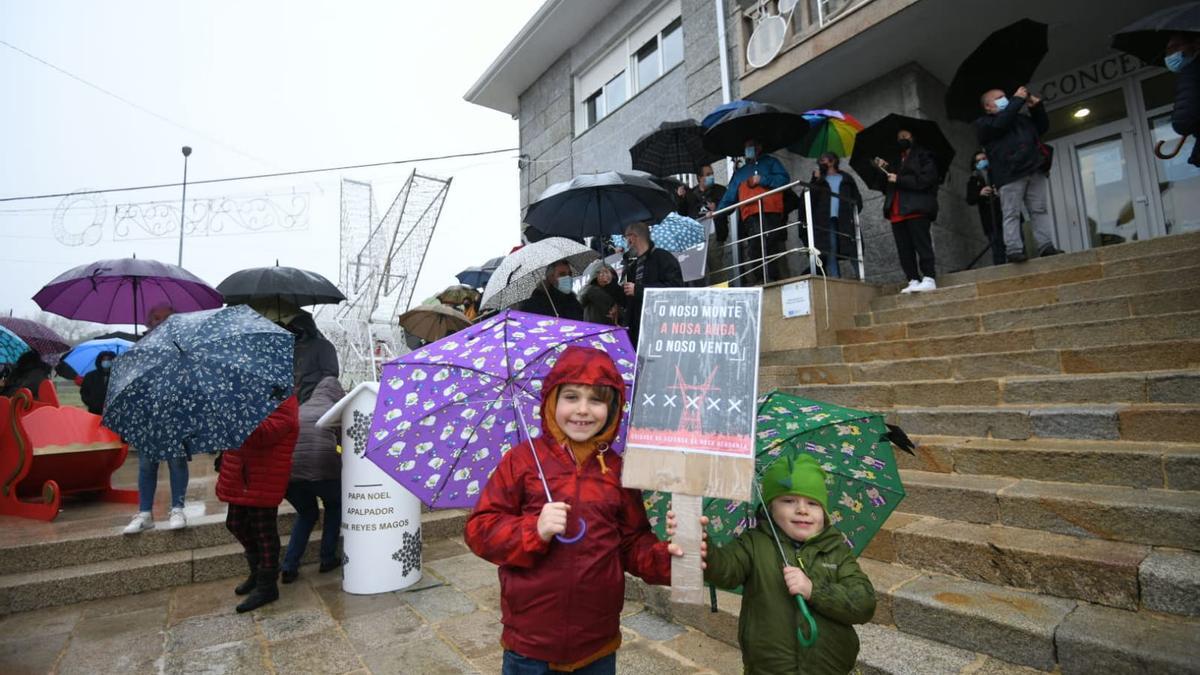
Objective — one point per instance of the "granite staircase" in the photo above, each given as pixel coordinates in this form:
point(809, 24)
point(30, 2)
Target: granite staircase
point(1052, 521)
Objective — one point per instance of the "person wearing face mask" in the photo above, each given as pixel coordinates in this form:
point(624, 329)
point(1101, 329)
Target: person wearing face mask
point(94, 388)
point(1017, 161)
point(910, 205)
point(1180, 59)
point(835, 197)
point(554, 296)
point(701, 201)
point(647, 266)
point(983, 195)
point(760, 173)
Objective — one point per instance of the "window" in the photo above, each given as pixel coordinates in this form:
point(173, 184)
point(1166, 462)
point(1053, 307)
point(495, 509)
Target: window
point(647, 64)
point(595, 108)
point(614, 93)
point(672, 45)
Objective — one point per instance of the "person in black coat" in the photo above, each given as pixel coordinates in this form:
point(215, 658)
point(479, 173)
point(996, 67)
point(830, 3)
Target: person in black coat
point(27, 373)
point(94, 388)
point(647, 266)
point(701, 201)
point(1019, 163)
point(603, 298)
point(315, 357)
point(834, 227)
point(911, 206)
point(553, 296)
point(1181, 52)
point(982, 194)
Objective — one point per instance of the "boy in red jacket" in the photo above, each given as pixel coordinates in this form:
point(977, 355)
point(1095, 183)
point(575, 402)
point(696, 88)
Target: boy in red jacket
point(252, 481)
point(561, 602)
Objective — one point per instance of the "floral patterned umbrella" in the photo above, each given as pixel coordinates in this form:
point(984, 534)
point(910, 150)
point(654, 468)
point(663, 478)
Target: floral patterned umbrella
point(200, 382)
point(449, 411)
point(851, 445)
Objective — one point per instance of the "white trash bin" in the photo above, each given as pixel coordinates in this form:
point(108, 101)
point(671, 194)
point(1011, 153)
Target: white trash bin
point(381, 521)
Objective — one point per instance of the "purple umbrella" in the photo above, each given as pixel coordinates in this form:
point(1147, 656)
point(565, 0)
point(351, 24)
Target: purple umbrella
point(121, 290)
point(42, 339)
point(448, 412)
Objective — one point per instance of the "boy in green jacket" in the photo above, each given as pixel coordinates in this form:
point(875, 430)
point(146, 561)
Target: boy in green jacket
point(820, 567)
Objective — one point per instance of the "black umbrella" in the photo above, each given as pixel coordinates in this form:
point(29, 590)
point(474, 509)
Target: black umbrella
point(1005, 60)
point(675, 147)
point(285, 285)
point(772, 126)
point(1147, 37)
point(598, 205)
point(879, 140)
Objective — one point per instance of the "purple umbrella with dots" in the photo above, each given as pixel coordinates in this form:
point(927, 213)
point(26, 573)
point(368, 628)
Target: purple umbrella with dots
point(449, 411)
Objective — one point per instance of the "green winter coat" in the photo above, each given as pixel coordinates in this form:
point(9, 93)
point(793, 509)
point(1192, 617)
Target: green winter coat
point(841, 595)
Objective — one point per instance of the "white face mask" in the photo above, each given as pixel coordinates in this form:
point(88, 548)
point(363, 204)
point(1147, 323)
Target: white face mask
point(565, 283)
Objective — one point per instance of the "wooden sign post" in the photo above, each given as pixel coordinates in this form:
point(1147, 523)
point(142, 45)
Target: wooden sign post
point(691, 429)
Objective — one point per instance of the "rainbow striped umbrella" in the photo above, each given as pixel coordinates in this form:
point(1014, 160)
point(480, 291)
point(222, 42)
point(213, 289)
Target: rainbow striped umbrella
point(828, 131)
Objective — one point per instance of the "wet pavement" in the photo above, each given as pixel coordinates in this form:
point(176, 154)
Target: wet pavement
point(447, 623)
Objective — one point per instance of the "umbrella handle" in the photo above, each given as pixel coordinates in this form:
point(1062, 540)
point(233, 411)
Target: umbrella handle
point(1158, 148)
point(811, 640)
point(577, 537)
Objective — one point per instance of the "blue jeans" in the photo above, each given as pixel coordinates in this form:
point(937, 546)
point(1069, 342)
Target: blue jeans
point(515, 664)
point(177, 469)
point(303, 495)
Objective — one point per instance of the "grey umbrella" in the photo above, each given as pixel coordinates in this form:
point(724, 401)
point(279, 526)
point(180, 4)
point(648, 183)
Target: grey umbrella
point(521, 271)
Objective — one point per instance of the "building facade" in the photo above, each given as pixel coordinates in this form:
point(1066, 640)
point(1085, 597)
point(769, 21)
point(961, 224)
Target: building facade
point(586, 79)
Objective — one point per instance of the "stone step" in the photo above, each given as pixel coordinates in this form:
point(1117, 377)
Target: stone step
point(1040, 314)
point(1148, 250)
point(95, 546)
point(1173, 423)
point(1153, 387)
point(1153, 517)
point(1077, 568)
point(1104, 640)
point(1112, 332)
point(1170, 466)
point(1157, 280)
point(1066, 271)
point(884, 650)
point(1133, 357)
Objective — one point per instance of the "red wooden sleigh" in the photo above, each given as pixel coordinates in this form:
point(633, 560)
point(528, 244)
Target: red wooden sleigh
point(48, 452)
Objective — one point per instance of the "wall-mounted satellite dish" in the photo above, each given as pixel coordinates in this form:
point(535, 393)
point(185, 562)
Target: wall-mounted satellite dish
point(786, 6)
point(766, 41)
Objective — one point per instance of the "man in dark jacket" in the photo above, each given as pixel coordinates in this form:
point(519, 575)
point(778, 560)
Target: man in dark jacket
point(27, 373)
point(701, 201)
point(835, 198)
point(1181, 52)
point(315, 358)
point(1018, 165)
point(316, 474)
point(982, 193)
point(652, 267)
point(554, 296)
point(94, 388)
point(911, 206)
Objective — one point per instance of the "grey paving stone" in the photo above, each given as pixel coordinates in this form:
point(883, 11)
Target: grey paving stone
point(465, 572)
point(474, 635)
point(40, 622)
point(370, 631)
point(21, 656)
point(245, 657)
point(641, 658)
point(438, 604)
point(426, 654)
point(295, 624)
point(140, 623)
point(206, 631)
point(708, 652)
point(887, 651)
point(651, 626)
point(342, 605)
point(319, 653)
point(1170, 582)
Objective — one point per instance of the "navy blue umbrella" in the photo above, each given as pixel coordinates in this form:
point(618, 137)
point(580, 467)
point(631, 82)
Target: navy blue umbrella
point(200, 382)
point(477, 276)
point(721, 111)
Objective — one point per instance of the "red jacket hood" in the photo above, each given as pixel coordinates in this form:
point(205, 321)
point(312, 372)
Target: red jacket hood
point(587, 366)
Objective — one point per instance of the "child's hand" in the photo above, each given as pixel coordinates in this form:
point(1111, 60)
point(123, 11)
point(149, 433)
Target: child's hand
point(797, 581)
point(675, 550)
point(553, 520)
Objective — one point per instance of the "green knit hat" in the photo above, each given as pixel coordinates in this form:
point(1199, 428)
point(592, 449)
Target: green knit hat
point(801, 476)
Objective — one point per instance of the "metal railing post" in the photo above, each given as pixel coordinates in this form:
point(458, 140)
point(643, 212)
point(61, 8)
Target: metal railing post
point(808, 226)
point(862, 268)
point(734, 244)
point(762, 243)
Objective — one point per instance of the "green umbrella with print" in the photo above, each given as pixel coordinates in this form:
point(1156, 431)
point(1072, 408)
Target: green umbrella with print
point(852, 446)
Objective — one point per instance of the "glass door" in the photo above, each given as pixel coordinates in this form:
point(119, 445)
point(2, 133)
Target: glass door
point(1178, 182)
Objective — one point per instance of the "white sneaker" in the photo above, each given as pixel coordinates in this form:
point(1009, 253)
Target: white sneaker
point(178, 520)
point(912, 285)
point(926, 284)
point(143, 521)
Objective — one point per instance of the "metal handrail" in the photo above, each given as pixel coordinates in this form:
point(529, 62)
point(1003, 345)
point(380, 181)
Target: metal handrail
point(814, 251)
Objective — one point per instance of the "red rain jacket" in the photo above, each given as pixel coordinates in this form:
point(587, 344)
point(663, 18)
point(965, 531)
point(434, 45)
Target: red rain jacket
point(559, 602)
point(257, 473)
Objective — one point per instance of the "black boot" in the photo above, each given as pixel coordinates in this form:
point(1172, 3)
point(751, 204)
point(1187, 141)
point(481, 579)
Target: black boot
point(265, 591)
point(248, 585)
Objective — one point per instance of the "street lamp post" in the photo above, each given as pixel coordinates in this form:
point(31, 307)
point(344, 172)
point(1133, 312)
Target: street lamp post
point(183, 204)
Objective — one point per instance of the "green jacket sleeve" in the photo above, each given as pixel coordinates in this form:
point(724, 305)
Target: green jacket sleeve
point(850, 599)
point(730, 565)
